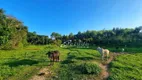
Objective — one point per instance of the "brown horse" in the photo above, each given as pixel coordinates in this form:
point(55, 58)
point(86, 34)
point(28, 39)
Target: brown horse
point(53, 55)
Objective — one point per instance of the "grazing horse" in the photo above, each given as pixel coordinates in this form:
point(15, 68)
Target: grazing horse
point(53, 55)
point(103, 52)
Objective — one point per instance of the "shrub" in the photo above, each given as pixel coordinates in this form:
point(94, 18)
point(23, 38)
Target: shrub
point(66, 73)
point(6, 71)
point(89, 68)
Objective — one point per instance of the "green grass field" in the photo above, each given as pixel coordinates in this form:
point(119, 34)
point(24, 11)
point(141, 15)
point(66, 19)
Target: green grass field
point(20, 64)
point(75, 64)
point(126, 67)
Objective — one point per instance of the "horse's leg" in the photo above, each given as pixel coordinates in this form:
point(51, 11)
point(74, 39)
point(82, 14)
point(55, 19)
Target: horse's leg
point(50, 61)
point(53, 60)
point(58, 58)
point(102, 57)
point(107, 57)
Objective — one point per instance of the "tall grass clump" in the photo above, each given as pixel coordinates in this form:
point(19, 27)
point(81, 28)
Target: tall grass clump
point(67, 72)
point(78, 71)
point(89, 68)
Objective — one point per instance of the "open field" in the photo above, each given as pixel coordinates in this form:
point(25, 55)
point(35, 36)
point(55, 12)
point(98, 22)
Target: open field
point(75, 64)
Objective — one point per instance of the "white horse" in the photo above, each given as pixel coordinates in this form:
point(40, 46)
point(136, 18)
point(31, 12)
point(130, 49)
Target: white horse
point(103, 52)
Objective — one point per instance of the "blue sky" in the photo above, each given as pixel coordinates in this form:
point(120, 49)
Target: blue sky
point(65, 16)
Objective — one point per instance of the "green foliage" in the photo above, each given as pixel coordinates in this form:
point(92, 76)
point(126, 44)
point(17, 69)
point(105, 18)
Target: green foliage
point(126, 67)
point(89, 68)
point(57, 42)
point(6, 71)
point(12, 32)
point(55, 35)
point(35, 39)
point(108, 38)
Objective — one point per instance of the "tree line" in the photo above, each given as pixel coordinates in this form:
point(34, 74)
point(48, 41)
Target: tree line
point(14, 34)
point(121, 37)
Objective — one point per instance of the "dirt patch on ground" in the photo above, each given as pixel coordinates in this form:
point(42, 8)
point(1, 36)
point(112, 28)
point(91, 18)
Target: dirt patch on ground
point(42, 75)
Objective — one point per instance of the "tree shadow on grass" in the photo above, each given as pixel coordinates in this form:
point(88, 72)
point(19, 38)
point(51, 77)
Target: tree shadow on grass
point(85, 58)
point(67, 61)
point(73, 59)
point(21, 62)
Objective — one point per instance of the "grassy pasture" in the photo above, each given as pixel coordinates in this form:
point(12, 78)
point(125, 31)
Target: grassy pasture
point(20, 64)
point(76, 64)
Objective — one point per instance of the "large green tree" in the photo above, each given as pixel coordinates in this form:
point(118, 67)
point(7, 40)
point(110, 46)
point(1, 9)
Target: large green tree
point(13, 33)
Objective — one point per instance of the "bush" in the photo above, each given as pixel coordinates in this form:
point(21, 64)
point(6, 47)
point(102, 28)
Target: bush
point(66, 72)
point(89, 68)
point(6, 71)
point(6, 46)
